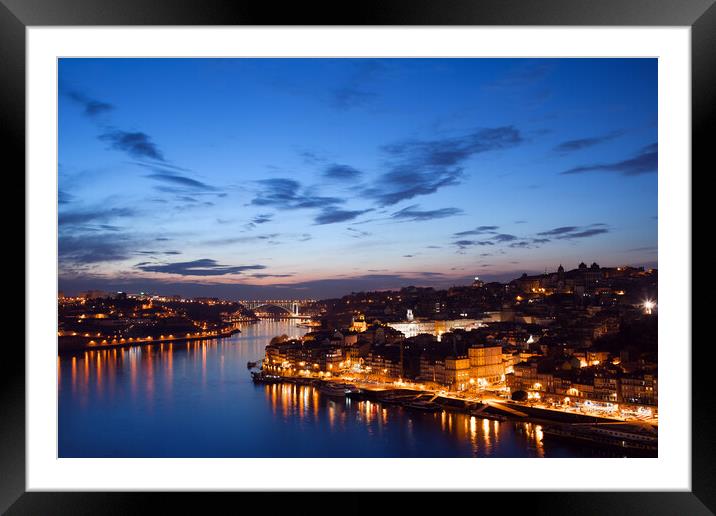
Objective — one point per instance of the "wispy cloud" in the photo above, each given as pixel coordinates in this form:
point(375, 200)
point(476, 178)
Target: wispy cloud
point(357, 233)
point(645, 162)
point(575, 232)
point(342, 172)
point(261, 218)
point(464, 244)
point(202, 267)
point(585, 233)
point(135, 144)
point(92, 216)
point(241, 240)
point(92, 248)
point(64, 198)
point(559, 231)
point(288, 194)
point(91, 107)
point(504, 237)
point(422, 167)
point(480, 230)
point(353, 92)
point(331, 215)
point(414, 214)
point(182, 181)
point(584, 143)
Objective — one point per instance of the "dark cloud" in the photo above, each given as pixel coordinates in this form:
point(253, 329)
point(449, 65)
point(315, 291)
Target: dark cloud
point(311, 158)
point(92, 248)
point(645, 162)
point(418, 167)
point(64, 197)
point(583, 143)
point(512, 241)
point(503, 237)
point(357, 233)
point(160, 167)
point(342, 172)
point(92, 107)
point(584, 234)
point(203, 267)
point(523, 244)
point(135, 144)
point(412, 213)
point(480, 230)
point(559, 231)
point(242, 240)
point(288, 194)
point(463, 244)
point(90, 216)
point(262, 218)
point(182, 181)
point(178, 181)
point(262, 275)
point(159, 252)
point(573, 232)
point(331, 215)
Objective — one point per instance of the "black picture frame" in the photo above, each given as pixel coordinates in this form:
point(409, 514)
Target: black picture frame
point(17, 15)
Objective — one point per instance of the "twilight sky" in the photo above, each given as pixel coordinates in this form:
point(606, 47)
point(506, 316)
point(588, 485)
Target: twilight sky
point(264, 178)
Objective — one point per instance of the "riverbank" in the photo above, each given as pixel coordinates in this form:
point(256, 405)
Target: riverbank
point(198, 401)
point(491, 409)
point(72, 344)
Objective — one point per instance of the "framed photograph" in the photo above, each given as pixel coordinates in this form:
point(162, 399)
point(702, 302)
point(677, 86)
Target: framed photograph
point(418, 248)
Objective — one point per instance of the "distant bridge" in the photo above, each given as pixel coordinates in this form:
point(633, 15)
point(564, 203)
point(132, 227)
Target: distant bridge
point(290, 306)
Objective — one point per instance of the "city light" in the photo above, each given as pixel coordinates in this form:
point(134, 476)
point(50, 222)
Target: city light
point(451, 354)
point(649, 305)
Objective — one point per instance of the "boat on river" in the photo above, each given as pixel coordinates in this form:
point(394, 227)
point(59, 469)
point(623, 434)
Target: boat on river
point(622, 436)
point(336, 390)
point(259, 377)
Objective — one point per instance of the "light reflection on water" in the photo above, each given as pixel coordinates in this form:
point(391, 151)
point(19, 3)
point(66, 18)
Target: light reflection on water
point(483, 436)
point(196, 399)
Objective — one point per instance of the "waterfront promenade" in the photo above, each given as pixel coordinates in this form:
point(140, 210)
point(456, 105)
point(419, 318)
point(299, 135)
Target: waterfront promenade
point(72, 343)
point(486, 403)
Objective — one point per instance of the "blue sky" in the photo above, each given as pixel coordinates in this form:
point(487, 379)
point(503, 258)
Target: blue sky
point(316, 177)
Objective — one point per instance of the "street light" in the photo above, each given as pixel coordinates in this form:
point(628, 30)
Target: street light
point(649, 305)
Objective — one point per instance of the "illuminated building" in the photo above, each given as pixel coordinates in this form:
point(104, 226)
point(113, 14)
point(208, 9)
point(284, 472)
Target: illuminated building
point(486, 363)
point(457, 372)
point(359, 324)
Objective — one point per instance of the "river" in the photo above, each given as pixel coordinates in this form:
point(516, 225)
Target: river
point(197, 399)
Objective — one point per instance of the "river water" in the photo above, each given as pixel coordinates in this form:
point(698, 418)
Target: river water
point(197, 399)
